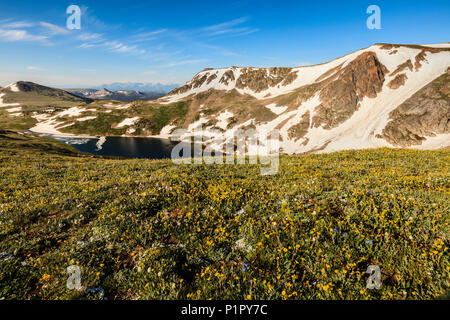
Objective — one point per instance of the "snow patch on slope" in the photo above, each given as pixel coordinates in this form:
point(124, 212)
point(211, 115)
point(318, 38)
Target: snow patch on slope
point(438, 45)
point(437, 142)
point(127, 122)
point(12, 110)
point(223, 119)
point(370, 119)
point(13, 87)
point(275, 109)
point(72, 112)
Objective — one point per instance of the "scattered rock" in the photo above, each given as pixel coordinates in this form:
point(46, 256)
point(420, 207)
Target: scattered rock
point(97, 292)
point(5, 256)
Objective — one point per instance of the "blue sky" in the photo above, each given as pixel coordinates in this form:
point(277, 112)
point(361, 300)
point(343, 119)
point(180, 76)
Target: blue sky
point(169, 41)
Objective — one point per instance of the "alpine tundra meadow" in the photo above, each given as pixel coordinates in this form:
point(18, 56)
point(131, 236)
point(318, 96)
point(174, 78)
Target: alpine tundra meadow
point(224, 159)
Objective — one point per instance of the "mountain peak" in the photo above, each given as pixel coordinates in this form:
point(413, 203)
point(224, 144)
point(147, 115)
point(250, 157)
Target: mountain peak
point(13, 86)
point(263, 82)
point(25, 86)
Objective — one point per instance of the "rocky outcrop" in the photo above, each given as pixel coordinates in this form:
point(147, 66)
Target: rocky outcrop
point(398, 81)
point(227, 77)
point(211, 78)
point(259, 80)
point(196, 82)
point(425, 114)
point(363, 77)
point(403, 66)
point(300, 129)
point(419, 59)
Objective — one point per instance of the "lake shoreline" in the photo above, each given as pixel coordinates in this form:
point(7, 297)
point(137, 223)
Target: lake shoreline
point(87, 136)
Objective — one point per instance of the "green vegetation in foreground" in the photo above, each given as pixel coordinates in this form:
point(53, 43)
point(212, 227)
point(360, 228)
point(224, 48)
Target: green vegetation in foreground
point(144, 229)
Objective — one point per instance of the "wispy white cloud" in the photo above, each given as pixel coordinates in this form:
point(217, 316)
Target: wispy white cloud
point(229, 28)
point(117, 46)
point(32, 68)
point(13, 31)
point(97, 40)
point(8, 24)
point(226, 25)
point(86, 45)
point(185, 62)
point(190, 39)
point(21, 35)
point(90, 36)
point(147, 36)
point(54, 29)
point(203, 37)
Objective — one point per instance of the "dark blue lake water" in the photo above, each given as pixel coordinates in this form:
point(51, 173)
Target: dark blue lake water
point(129, 147)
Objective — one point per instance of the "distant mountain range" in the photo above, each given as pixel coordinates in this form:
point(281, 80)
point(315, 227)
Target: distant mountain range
point(138, 86)
point(119, 95)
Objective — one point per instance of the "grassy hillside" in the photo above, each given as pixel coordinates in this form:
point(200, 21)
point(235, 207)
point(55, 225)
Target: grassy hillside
point(34, 95)
point(152, 118)
point(142, 229)
point(14, 144)
point(15, 123)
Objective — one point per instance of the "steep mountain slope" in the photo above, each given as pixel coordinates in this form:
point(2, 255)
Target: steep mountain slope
point(357, 101)
point(425, 114)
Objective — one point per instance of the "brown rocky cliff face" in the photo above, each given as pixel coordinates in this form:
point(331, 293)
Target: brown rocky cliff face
point(181, 89)
point(255, 79)
point(340, 96)
point(300, 129)
point(196, 82)
point(398, 81)
point(369, 75)
point(261, 79)
point(227, 77)
point(420, 58)
point(423, 115)
point(211, 78)
point(402, 67)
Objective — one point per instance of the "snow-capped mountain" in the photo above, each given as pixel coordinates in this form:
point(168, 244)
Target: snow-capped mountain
point(119, 95)
point(382, 96)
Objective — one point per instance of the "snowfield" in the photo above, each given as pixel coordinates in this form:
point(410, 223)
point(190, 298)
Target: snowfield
point(275, 109)
point(127, 122)
point(223, 120)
